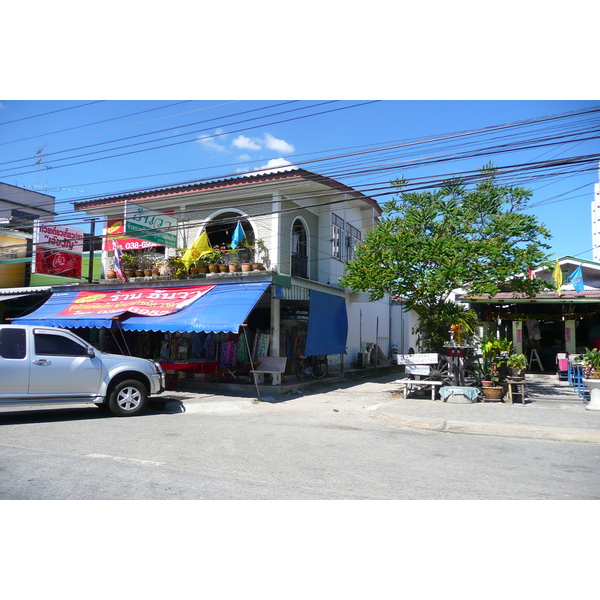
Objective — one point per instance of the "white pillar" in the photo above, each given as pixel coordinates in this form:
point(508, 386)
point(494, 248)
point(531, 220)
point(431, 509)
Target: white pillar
point(570, 341)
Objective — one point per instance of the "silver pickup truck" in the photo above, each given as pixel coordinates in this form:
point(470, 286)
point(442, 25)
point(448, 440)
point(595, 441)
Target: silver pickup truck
point(47, 365)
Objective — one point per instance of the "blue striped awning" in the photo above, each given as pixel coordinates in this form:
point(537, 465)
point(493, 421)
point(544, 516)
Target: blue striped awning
point(222, 309)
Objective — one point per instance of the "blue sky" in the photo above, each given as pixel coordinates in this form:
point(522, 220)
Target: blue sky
point(85, 148)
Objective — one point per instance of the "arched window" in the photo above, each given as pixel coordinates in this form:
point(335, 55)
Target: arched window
point(299, 250)
point(220, 233)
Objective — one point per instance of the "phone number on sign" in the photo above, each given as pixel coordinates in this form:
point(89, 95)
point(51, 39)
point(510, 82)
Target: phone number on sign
point(135, 244)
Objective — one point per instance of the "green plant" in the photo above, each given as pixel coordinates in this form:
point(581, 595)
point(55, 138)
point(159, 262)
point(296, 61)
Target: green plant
point(129, 261)
point(261, 251)
point(495, 353)
point(591, 359)
point(517, 361)
point(215, 257)
point(233, 257)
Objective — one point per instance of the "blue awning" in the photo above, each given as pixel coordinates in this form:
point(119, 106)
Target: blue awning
point(48, 314)
point(222, 309)
point(327, 325)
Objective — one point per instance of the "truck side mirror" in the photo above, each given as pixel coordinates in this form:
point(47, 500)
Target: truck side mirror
point(90, 352)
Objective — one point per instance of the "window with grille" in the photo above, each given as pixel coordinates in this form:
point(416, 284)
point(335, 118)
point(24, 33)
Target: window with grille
point(353, 238)
point(337, 237)
point(299, 250)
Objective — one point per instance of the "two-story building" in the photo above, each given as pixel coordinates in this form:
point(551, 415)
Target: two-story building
point(307, 227)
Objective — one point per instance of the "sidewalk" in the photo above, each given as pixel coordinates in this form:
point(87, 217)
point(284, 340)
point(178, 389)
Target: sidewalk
point(552, 411)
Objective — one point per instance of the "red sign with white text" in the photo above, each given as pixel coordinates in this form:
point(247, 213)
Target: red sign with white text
point(57, 262)
point(114, 236)
point(143, 301)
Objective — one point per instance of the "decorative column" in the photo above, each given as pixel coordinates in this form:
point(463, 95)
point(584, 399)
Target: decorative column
point(517, 336)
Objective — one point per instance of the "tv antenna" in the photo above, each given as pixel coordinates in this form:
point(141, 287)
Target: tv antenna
point(40, 154)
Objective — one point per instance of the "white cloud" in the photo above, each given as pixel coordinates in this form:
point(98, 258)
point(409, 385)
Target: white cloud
point(245, 143)
point(282, 146)
point(268, 141)
point(244, 157)
point(275, 164)
point(210, 142)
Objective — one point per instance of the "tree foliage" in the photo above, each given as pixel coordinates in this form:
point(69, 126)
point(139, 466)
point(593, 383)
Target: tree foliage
point(429, 243)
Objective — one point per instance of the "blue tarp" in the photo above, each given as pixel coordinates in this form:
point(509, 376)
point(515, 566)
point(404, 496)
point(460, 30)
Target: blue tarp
point(327, 325)
point(222, 309)
point(48, 315)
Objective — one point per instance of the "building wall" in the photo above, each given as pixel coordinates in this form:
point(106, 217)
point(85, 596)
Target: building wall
point(12, 248)
point(368, 322)
point(290, 212)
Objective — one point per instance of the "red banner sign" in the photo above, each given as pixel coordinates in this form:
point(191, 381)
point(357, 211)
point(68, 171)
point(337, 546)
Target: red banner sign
point(57, 262)
point(114, 237)
point(142, 301)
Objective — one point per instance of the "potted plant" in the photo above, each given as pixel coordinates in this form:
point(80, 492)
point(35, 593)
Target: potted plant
point(261, 254)
point(178, 268)
point(234, 260)
point(146, 262)
point(517, 363)
point(201, 266)
point(591, 361)
point(129, 262)
point(495, 354)
point(213, 260)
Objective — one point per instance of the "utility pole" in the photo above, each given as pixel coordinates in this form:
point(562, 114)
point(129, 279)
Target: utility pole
point(92, 236)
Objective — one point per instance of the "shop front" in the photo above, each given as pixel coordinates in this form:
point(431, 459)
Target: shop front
point(213, 332)
point(544, 326)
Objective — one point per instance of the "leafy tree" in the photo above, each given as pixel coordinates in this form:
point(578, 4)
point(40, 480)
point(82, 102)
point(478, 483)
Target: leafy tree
point(429, 243)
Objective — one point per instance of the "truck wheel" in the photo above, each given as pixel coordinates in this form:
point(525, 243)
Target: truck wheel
point(128, 398)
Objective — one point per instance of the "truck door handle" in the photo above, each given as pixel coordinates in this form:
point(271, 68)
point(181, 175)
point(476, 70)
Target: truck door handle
point(43, 362)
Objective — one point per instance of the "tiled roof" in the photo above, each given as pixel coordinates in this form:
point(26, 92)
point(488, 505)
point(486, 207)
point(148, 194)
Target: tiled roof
point(246, 179)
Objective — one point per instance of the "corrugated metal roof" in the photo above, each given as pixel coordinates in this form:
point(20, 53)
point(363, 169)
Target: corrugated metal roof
point(512, 297)
point(26, 290)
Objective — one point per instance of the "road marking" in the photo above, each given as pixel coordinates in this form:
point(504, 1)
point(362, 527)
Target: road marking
point(122, 459)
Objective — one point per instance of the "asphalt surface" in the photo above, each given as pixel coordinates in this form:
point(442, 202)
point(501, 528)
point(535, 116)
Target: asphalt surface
point(552, 410)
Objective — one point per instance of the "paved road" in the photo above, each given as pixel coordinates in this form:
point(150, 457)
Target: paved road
point(323, 446)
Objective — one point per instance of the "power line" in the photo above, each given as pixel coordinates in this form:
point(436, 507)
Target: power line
point(51, 112)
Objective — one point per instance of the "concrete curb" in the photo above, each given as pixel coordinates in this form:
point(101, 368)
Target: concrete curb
point(482, 428)
point(178, 406)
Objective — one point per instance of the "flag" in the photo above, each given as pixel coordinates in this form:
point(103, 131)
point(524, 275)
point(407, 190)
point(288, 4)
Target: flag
point(238, 236)
point(198, 249)
point(531, 274)
point(576, 278)
point(558, 278)
point(118, 263)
